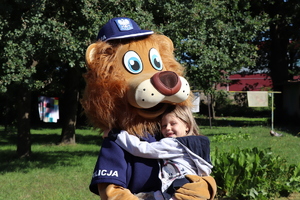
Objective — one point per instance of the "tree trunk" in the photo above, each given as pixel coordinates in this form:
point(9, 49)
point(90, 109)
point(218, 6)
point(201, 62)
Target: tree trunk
point(69, 107)
point(23, 122)
point(213, 105)
point(278, 64)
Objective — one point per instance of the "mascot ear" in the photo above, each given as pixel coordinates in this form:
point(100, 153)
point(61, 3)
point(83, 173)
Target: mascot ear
point(90, 53)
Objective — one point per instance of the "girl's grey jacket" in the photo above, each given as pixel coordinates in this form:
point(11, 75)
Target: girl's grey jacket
point(180, 156)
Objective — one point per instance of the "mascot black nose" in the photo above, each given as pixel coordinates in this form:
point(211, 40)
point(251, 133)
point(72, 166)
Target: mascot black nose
point(166, 82)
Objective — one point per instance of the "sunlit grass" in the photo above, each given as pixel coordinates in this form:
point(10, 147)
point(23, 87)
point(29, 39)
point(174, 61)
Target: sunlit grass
point(226, 137)
point(54, 171)
point(62, 172)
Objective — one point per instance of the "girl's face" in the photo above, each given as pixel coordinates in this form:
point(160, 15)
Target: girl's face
point(171, 126)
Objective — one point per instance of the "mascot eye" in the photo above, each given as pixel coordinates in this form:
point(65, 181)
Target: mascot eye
point(155, 59)
point(133, 62)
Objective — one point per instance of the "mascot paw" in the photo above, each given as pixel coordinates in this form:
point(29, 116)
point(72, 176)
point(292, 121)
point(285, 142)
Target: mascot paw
point(114, 192)
point(200, 188)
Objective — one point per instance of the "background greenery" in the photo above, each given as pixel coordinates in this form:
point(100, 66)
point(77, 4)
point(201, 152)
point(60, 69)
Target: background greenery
point(42, 45)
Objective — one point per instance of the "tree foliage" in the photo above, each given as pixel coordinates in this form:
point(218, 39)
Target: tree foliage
point(37, 36)
point(213, 38)
point(42, 41)
point(279, 42)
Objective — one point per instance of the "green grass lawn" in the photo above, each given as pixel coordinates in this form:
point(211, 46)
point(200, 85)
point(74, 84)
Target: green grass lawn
point(55, 172)
point(61, 172)
point(226, 133)
point(225, 138)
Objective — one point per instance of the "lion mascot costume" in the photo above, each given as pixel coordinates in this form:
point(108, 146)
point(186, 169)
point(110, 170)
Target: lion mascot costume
point(131, 80)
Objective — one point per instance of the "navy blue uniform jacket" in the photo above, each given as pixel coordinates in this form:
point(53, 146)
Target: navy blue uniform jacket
point(116, 166)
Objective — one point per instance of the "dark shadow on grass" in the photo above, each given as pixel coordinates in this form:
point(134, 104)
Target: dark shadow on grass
point(233, 123)
point(288, 128)
point(216, 134)
point(54, 139)
point(10, 163)
point(10, 138)
point(7, 138)
point(89, 139)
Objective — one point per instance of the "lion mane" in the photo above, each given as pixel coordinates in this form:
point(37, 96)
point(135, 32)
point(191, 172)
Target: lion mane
point(106, 100)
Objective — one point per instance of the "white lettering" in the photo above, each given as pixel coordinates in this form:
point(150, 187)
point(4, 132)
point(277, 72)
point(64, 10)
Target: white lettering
point(115, 174)
point(105, 172)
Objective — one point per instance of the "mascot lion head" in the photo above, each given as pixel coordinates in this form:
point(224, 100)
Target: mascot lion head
point(132, 78)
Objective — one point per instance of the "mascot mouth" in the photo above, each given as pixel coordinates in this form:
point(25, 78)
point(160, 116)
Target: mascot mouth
point(152, 98)
point(146, 95)
point(153, 112)
point(155, 108)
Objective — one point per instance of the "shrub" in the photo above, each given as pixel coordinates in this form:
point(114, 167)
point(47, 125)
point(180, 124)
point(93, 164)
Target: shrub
point(253, 174)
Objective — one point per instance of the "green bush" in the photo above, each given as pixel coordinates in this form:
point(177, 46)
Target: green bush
point(253, 174)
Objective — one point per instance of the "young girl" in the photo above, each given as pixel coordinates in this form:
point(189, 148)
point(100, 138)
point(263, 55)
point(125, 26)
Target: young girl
point(180, 155)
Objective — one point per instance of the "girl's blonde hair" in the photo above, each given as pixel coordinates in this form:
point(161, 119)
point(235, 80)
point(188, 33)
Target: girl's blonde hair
point(185, 114)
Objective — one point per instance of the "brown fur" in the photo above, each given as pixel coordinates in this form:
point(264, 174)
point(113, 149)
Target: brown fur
point(105, 101)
